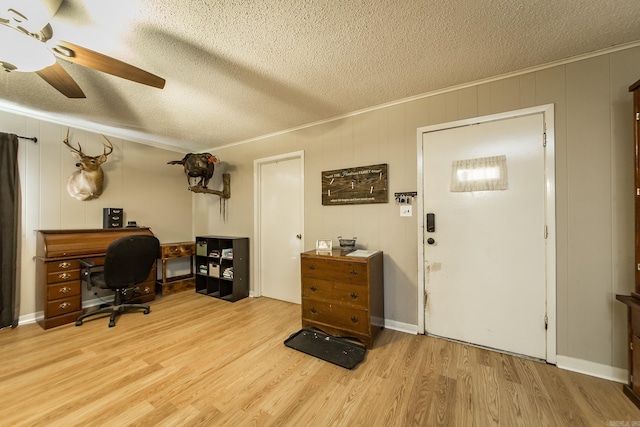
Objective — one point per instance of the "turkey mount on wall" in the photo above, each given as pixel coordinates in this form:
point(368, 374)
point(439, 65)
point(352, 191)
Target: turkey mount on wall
point(201, 166)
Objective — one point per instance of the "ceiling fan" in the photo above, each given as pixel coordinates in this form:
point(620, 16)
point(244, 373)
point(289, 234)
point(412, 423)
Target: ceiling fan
point(26, 45)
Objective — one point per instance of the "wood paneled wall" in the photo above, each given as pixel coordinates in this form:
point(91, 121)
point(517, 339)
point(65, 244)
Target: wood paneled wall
point(137, 179)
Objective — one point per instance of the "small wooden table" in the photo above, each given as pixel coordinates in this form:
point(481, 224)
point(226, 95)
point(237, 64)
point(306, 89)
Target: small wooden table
point(170, 285)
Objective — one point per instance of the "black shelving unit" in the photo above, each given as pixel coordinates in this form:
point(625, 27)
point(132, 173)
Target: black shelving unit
point(222, 267)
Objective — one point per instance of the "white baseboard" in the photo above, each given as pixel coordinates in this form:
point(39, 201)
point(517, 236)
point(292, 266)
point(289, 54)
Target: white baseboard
point(401, 327)
point(29, 318)
point(593, 369)
point(95, 301)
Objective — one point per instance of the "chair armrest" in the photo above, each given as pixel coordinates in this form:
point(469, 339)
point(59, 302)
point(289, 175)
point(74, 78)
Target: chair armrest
point(85, 274)
point(87, 263)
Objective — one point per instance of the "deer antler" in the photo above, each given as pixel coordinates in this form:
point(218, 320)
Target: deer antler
point(66, 142)
point(110, 146)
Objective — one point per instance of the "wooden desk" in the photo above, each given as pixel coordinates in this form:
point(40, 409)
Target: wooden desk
point(58, 282)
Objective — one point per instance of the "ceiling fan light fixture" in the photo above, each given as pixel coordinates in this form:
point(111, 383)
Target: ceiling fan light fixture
point(32, 15)
point(23, 52)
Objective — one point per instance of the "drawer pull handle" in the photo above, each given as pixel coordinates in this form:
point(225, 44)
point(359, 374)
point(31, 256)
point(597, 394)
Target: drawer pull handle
point(353, 295)
point(64, 275)
point(313, 288)
point(312, 267)
point(313, 310)
point(65, 305)
point(353, 272)
point(147, 290)
point(64, 264)
point(65, 290)
point(354, 319)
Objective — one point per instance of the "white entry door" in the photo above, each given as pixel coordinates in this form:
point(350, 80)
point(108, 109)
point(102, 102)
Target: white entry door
point(485, 250)
point(279, 190)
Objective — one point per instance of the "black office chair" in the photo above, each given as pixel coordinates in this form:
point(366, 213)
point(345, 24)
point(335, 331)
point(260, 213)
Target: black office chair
point(128, 262)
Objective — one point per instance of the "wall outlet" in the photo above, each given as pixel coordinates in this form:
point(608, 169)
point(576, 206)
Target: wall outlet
point(405, 210)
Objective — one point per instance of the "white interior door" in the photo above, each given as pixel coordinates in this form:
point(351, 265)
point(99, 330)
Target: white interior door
point(485, 267)
point(280, 225)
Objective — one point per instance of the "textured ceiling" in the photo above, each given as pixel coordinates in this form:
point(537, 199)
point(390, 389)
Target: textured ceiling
point(240, 69)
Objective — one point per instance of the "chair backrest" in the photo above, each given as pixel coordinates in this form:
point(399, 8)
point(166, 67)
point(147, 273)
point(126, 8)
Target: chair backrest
point(129, 260)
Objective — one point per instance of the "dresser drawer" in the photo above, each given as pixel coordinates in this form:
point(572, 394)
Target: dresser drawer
point(63, 290)
point(342, 293)
point(63, 276)
point(635, 322)
point(339, 271)
point(58, 266)
point(63, 305)
point(336, 315)
point(177, 250)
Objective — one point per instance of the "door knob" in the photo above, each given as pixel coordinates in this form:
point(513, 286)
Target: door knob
point(430, 241)
point(298, 236)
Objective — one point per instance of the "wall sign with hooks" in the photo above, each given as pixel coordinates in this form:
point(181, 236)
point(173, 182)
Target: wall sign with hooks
point(405, 198)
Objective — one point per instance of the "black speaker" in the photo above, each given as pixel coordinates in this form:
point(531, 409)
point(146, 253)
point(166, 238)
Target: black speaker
point(112, 217)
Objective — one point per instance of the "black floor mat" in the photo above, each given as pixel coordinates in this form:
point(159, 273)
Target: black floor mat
point(326, 347)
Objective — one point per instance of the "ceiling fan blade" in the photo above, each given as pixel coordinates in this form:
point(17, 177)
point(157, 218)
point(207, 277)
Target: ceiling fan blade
point(97, 61)
point(57, 77)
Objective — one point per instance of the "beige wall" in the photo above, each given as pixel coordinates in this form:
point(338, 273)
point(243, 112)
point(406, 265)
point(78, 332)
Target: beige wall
point(138, 180)
point(594, 189)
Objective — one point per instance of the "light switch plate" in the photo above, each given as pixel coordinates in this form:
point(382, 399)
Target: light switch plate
point(405, 210)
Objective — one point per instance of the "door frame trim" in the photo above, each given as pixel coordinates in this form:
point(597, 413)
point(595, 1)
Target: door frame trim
point(257, 214)
point(547, 111)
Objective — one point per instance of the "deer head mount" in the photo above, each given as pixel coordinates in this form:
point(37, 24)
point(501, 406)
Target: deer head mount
point(86, 182)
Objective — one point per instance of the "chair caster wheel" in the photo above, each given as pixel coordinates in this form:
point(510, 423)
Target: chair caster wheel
point(78, 322)
point(112, 324)
point(146, 311)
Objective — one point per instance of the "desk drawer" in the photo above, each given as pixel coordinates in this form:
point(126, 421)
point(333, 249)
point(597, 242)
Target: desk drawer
point(336, 315)
point(338, 271)
point(177, 250)
point(63, 276)
point(63, 290)
point(58, 266)
point(63, 305)
point(342, 293)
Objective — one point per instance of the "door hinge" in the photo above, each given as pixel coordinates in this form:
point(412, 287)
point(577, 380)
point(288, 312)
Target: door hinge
point(544, 139)
point(637, 191)
point(546, 232)
point(546, 322)
point(637, 117)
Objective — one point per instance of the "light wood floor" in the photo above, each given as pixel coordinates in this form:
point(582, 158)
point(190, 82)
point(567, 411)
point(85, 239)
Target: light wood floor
point(195, 360)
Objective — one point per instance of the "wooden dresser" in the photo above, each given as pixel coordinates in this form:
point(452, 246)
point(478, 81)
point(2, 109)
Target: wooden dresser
point(58, 283)
point(632, 388)
point(343, 295)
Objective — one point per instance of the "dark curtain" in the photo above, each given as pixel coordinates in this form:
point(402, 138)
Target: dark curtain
point(9, 223)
